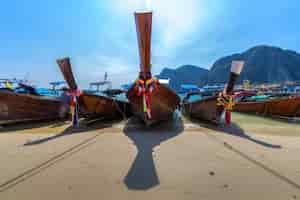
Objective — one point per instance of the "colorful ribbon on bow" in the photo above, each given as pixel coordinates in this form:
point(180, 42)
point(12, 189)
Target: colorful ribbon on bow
point(145, 89)
point(8, 85)
point(228, 103)
point(74, 106)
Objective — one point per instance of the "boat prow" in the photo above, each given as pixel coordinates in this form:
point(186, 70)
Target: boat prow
point(163, 103)
point(150, 100)
point(92, 105)
point(212, 108)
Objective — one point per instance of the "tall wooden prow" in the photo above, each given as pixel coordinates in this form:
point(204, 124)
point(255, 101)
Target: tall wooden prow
point(65, 67)
point(150, 101)
point(212, 108)
point(143, 22)
point(90, 105)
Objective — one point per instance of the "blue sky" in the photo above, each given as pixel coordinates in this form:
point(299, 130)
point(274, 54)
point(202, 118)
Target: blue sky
point(99, 35)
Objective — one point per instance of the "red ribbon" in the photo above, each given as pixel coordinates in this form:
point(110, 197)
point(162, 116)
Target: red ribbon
point(145, 89)
point(73, 104)
point(74, 94)
point(228, 117)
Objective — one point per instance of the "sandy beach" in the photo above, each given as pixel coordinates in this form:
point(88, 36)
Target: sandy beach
point(255, 158)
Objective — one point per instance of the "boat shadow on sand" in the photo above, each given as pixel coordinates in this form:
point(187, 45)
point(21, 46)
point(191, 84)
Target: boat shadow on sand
point(142, 174)
point(85, 126)
point(276, 118)
point(235, 130)
point(20, 126)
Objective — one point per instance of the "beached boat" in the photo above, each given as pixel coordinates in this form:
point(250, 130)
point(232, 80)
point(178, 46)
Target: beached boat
point(208, 108)
point(25, 104)
point(151, 101)
point(268, 105)
point(93, 105)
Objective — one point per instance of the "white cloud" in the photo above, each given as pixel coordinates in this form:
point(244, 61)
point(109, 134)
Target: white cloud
point(93, 67)
point(176, 20)
point(175, 24)
point(173, 20)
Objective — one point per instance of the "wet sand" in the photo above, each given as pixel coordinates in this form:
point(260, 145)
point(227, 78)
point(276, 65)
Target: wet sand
point(255, 158)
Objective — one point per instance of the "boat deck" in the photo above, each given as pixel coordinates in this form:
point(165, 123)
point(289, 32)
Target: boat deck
point(255, 158)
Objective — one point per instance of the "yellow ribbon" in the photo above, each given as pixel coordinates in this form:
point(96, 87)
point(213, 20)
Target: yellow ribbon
point(150, 81)
point(8, 85)
point(227, 102)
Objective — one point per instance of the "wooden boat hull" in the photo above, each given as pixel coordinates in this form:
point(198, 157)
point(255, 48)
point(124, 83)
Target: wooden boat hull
point(16, 107)
point(205, 109)
point(94, 106)
point(289, 107)
point(101, 106)
point(163, 103)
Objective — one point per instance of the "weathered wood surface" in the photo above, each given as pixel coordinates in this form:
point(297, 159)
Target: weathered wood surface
point(66, 69)
point(144, 29)
point(287, 107)
point(93, 105)
point(23, 107)
point(164, 102)
point(205, 109)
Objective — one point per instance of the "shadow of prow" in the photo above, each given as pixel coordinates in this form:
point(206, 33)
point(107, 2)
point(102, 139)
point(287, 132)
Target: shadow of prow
point(236, 130)
point(142, 174)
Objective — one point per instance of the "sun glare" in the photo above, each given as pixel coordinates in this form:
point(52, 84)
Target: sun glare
point(148, 4)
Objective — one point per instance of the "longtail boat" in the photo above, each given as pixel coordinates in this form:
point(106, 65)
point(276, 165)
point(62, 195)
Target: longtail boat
point(92, 105)
point(24, 103)
point(151, 101)
point(286, 106)
point(211, 108)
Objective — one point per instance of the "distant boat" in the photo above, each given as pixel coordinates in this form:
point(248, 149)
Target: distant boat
point(56, 89)
point(98, 85)
point(24, 103)
point(189, 88)
point(151, 101)
point(93, 105)
point(206, 107)
point(267, 105)
point(127, 87)
point(165, 82)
